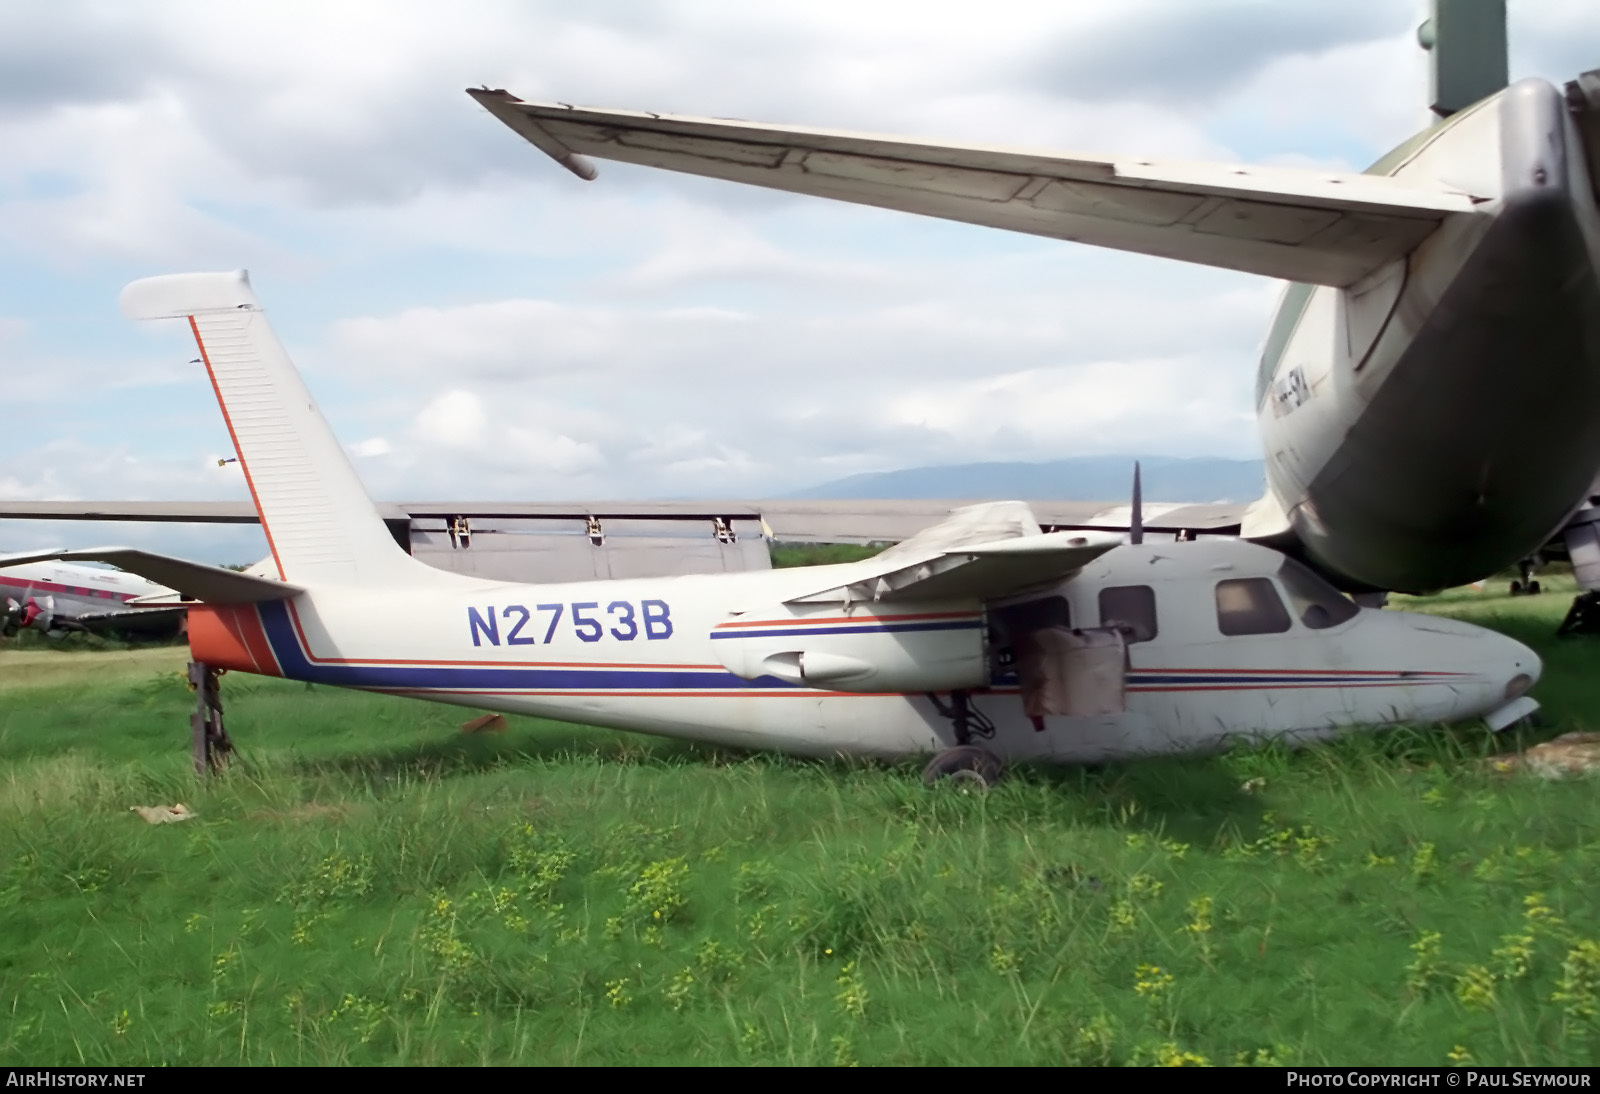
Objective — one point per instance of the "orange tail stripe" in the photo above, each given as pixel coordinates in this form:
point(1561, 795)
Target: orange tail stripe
point(230, 637)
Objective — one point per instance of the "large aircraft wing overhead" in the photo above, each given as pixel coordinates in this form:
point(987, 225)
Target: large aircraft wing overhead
point(871, 520)
point(1321, 227)
point(204, 512)
point(211, 584)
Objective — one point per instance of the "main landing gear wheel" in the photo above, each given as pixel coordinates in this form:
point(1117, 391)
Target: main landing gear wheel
point(1527, 586)
point(966, 767)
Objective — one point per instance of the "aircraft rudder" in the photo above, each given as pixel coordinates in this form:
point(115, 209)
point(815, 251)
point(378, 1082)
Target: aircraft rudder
point(319, 521)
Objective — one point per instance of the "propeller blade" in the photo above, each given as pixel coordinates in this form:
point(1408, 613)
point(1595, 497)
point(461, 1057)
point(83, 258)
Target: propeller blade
point(1136, 528)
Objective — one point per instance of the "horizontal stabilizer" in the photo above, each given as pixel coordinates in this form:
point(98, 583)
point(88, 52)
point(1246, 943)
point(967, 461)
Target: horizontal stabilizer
point(211, 584)
point(1320, 227)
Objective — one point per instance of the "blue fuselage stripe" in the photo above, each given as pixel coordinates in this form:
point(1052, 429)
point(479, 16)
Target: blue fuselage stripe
point(297, 666)
point(281, 636)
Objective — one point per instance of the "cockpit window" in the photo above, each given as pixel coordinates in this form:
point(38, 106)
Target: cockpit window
point(1318, 604)
point(1131, 608)
point(1250, 605)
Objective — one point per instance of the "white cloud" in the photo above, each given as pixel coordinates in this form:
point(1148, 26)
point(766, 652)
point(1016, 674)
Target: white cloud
point(1103, 406)
point(17, 490)
point(455, 419)
point(372, 446)
point(510, 442)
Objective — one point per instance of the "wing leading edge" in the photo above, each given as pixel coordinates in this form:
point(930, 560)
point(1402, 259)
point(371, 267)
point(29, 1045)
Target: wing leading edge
point(1320, 227)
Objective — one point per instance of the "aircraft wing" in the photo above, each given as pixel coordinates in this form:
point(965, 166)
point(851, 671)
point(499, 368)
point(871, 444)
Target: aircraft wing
point(787, 521)
point(984, 571)
point(983, 551)
point(199, 512)
point(211, 584)
point(128, 619)
point(1321, 227)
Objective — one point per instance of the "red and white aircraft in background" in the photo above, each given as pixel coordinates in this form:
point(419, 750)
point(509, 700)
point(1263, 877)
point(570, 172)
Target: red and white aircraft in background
point(59, 596)
point(1069, 646)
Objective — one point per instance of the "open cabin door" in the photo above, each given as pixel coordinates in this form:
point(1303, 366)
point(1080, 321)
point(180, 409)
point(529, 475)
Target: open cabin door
point(1064, 670)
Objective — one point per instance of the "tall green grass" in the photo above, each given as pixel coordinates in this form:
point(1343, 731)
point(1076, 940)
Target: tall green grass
point(369, 885)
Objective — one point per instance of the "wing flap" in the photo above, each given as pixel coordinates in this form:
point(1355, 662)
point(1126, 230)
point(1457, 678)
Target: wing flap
point(211, 584)
point(1312, 226)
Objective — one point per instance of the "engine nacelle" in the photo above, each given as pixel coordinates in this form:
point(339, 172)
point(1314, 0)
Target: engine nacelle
point(861, 647)
point(39, 615)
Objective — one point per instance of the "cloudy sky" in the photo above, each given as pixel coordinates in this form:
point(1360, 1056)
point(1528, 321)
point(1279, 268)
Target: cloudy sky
point(478, 323)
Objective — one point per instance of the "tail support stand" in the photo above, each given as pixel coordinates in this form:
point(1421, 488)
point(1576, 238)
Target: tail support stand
point(211, 744)
point(1583, 617)
point(1582, 534)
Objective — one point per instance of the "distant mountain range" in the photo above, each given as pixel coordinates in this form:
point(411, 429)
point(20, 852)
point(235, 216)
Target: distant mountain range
point(1083, 478)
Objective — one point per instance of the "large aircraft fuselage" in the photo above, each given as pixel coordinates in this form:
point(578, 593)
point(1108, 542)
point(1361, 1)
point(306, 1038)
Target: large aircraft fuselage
point(1440, 419)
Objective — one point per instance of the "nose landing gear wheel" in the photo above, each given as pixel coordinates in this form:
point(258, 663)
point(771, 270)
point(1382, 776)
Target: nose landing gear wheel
point(965, 767)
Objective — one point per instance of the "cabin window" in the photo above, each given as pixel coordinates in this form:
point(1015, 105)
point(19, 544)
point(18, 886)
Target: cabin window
point(1318, 604)
point(1250, 605)
point(1131, 609)
point(1033, 615)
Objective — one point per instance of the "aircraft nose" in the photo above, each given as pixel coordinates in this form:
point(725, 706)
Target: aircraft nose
point(1491, 672)
point(1517, 669)
point(1525, 667)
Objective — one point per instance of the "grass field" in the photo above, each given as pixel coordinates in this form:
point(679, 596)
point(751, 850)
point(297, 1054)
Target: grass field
point(369, 885)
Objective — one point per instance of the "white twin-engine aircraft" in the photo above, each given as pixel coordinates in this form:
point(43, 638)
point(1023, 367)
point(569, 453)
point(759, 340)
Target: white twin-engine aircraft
point(1066, 646)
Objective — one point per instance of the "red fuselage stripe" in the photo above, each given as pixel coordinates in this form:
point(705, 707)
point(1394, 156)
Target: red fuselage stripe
point(255, 638)
point(30, 586)
point(817, 620)
point(237, 451)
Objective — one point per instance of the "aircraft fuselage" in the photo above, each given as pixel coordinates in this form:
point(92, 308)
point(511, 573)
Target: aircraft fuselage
point(60, 593)
point(1440, 419)
point(720, 658)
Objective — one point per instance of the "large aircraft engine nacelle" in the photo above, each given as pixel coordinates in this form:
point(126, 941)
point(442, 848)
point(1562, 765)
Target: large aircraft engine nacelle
point(876, 648)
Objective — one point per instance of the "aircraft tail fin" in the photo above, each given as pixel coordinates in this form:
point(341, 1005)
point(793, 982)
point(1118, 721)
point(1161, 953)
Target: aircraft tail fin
point(318, 519)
